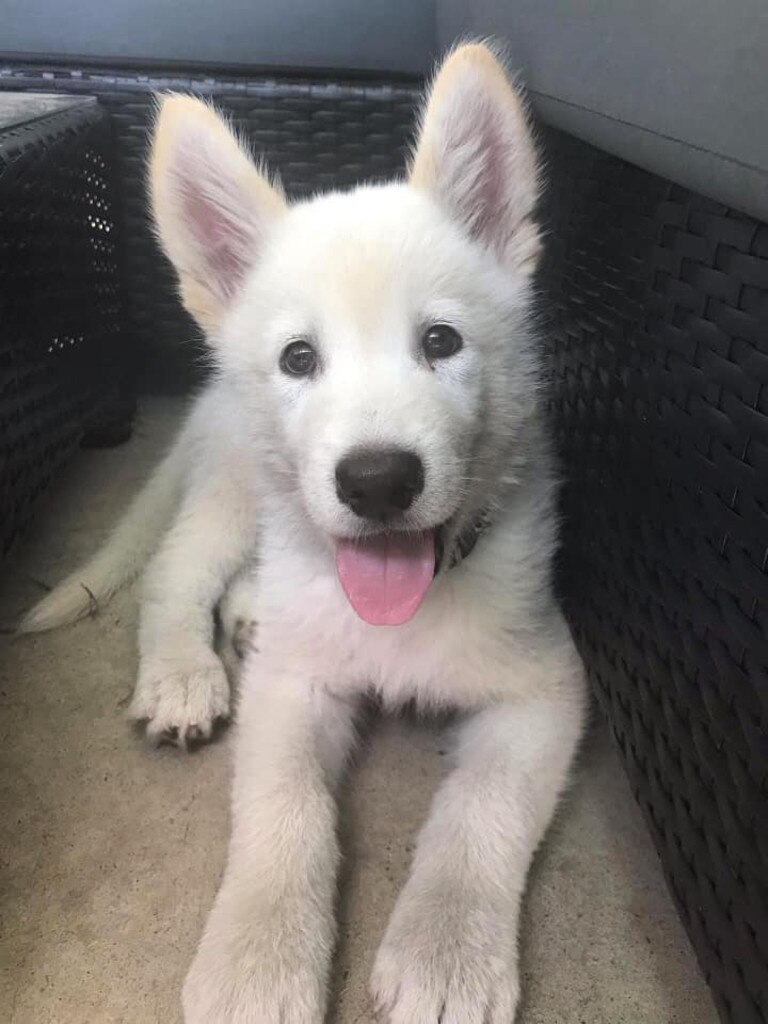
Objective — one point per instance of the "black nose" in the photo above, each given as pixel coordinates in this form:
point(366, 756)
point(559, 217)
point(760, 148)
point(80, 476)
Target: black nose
point(379, 484)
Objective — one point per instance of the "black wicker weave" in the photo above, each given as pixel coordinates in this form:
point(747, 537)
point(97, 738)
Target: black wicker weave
point(61, 360)
point(659, 354)
point(318, 133)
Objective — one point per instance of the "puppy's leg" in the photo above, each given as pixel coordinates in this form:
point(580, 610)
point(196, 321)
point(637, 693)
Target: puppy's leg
point(266, 950)
point(236, 610)
point(450, 951)
point(182, 687)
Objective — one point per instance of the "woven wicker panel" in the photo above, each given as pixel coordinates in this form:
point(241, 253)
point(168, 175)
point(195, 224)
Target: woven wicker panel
point(60, 299)
point(658, 302)
point(318, 134)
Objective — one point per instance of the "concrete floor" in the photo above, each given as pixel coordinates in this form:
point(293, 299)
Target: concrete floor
point(110, 852)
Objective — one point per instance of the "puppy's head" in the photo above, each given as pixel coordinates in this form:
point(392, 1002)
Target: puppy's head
point(378, 338)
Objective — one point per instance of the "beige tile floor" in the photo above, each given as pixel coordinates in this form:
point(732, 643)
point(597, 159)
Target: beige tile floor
point(110, 852)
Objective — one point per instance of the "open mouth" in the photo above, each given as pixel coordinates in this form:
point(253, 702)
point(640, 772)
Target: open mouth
point(386, 575)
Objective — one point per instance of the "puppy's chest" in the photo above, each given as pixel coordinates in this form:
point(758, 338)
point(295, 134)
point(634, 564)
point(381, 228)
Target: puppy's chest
point(449, 654)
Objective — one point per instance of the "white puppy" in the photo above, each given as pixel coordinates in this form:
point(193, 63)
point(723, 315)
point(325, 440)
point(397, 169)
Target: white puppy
point(374, 432)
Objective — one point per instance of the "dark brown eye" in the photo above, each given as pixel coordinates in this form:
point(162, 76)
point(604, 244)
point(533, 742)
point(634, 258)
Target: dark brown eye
point(440, 342)
point(298, 359)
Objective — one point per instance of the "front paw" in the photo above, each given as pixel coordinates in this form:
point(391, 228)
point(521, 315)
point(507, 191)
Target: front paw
point(180, 700)
point(252, 972)
point(448, 959)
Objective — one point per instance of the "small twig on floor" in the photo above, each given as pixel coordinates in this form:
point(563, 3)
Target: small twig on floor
point(93, 604)
point(41, 583)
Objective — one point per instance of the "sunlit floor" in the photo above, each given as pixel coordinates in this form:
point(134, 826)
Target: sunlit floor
point(110, 852)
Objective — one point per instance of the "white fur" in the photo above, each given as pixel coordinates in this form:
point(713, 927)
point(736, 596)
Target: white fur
point(362, 274)
point(123, 556)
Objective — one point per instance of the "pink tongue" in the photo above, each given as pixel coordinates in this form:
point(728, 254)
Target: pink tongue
point(386, 577)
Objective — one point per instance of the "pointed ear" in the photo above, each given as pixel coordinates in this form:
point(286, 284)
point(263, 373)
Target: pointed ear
point(476, 155)
point(212, 207)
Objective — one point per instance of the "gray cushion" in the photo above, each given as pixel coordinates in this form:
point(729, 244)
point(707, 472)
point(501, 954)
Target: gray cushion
point(677, 86)
point(390, 34)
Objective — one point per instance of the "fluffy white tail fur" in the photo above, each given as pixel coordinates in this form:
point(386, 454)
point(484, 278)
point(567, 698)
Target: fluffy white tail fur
point(122, 557)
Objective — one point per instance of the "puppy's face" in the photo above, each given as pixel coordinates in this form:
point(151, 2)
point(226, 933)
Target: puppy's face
point(370, 339)
point(377, 337)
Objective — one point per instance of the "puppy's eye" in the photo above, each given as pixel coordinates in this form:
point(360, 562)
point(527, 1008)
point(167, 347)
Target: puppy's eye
point(298, 359)
point(440, 342)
